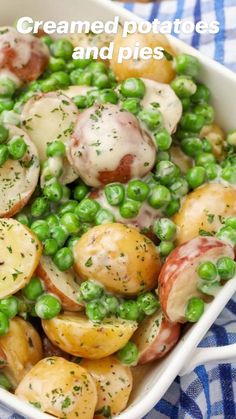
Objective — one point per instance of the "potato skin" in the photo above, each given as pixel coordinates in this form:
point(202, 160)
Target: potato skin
point(61, 388)
point(22, 347)
point(216, 137)
point(119, 257)
point(159, 70)
point(203, 208)
point(75, 334)
point(114, 383)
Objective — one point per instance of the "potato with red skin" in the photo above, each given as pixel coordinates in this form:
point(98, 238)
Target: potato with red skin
point(109, 145)
point(178, 279)
point(23, 55)
point(155, 337)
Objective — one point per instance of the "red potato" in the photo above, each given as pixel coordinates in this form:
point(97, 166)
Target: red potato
point(178, 280)
point(109, 145)
point(62, 284)
point(23, 55)
point(155, 337)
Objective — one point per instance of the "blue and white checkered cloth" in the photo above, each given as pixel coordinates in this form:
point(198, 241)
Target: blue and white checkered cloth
point(209, 392)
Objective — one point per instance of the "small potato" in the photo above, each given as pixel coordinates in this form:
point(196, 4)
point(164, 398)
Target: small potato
point(23, 349)
point(179, 158)
point(73, 91)
point(204, 209)
point(19, 256)
point(114, 383)
point(91, 39)
point(75, 334)
point(178, 280)
point(155, 337)
point(216, 137)
point(119, 257)
point(160, 70)
point(60, 388)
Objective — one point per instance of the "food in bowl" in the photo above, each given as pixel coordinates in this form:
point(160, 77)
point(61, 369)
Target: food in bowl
point(118, 219)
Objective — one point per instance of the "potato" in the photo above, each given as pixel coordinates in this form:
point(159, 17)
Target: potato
point(18, 178)
point(20, 254)
point(51, 350)
point(204, 209)
point(159, 70)
point(216, 137)
point(22, 347)
point(62, 284)
point(119, 257)
point(91, 40)
point(76, 334)
point(155, 337)
point(108, 145)
point(73, 91)
point(60, 388)
point(114, 383)
point(178, 280)
point(179, 158)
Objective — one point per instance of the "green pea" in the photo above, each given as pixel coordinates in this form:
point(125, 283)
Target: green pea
point(68, 206)
point(164, 229)
point(62, 48)
point(128, 354)
point(192, 122)
point(53, 191)
point(183, 86)
point(202, 159)
point(72, 242)
point(56, 148)
point(7, 87)
point(194, 309)
point(91, 290)
point(80, 101)
point(207, 111)
point(185, 103)
point(151, 117)
point(137, 190)
point(4, 134)
point(196, 176)
point(17, 148)
point(226, 268)
point(92, 97)
point(227, 234)
point(206, 146)
point(50, 247)
point(163, 140)
point(56, 64)
point(165, 248)
point(4, 324)
point(62, 79)
point(166, 172)
point(52, 220)
point(191, 146)
point(207, 288)
point(104, 216)
point(59, 234)
point(39, 207)
point(129, 208)
point(4, 154)
point(33, 289)
point(9, 306)
point(160, 197)
point(47, 307)
point(202, 94)
point(187, 64)
point(47, 40)
point(23, 219)
point(207, 271)
point(84, 228)
point(172, 208)
point(5, 383)
point(41, 229)
point(115, 193)
point(101, 81)
point(212, 170)
point(6, 104)
point(63, 259)
point(80, 77)
point(179, 188)
point(87, 209)
point(230, 222)
point(230, 138)
point(129, 310)
point(66, 192)
point(148, 303)
point(108, 96)
point(162, 155)
point(48, 85)
point(181, 134)
point(95, 311)
point(111, 303)
point(97, 67)
point(229, 174)
point(133, 87)
point(132, 104)
point(80, 192)
point(70, 222)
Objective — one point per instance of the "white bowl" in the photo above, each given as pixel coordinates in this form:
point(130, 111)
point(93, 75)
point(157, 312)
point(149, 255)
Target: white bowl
point(151, 381)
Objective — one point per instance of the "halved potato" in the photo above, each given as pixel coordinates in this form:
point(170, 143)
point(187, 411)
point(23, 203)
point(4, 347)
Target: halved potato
point(61, 388)
point(19, 256)
point(62, 284)
point(22, 347)
point(216, 137)
point(179, 158)
point(114, 383)
point(18, 178)
point(178, 280)
point(79, 336)
point(155, 337)
point(119, 257)
point(204, 209)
